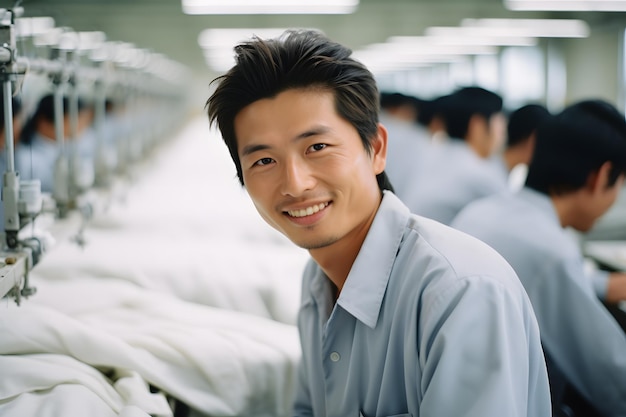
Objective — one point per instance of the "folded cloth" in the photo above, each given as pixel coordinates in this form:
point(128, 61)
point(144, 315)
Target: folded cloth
point(53, 385)
point(219, 362)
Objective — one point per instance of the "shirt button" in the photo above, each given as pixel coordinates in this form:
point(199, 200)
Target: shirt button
point(335, 357)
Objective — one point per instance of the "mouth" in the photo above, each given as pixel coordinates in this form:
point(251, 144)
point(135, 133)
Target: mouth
point(308, 211)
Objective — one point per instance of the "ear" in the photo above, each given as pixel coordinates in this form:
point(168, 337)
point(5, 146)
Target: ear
point(598, 180)
point(379, 149)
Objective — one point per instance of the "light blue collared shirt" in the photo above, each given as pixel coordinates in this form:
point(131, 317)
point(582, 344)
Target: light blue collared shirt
point(453, 177)
point(430, 322)
point(583, 343)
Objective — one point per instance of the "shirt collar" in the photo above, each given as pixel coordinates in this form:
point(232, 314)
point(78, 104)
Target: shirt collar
point(363, 292)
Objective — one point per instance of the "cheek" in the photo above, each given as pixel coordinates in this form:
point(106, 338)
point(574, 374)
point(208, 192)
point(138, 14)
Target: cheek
point(254, 189)
point(262, 203)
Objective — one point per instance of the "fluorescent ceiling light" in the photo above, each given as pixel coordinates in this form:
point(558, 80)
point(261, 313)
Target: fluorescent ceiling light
point(402, 46)
point(228, 38)
point(568, 5)
point(379, 63)
point(408, 52)
point(541, 28)
point(462, 39)
point(516, 28)
point(269, 6)
point(218, 44)
point(402, 53)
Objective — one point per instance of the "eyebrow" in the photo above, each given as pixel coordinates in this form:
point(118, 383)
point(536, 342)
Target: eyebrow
point(318, 130)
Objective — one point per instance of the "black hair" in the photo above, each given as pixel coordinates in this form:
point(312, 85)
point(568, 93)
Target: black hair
point(574, 144)
point(524, 121)
point(459, 107)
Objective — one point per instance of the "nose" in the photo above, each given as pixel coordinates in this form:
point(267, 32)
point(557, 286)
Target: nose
point(297, 177)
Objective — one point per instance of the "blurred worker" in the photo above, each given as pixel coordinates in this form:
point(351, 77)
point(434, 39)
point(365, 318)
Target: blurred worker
point(520, 142)
point(37, 156)
point(397, 312)
point(431, 116)
point(460, 171)
point(574, 176)
point(408, 141)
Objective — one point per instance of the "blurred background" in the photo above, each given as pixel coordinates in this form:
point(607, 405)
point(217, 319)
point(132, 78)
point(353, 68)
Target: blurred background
point(423, 47)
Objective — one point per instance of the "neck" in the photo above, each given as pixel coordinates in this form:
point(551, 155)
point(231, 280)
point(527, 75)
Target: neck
point(520, 153)
point(477, 145)
point(565, 206)
point(336, 264)
point(511, 159)
point(336, 260)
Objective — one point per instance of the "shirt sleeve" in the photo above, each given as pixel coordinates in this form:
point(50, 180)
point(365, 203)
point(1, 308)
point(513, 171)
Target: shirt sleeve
point(481, 353)
point(581, 337)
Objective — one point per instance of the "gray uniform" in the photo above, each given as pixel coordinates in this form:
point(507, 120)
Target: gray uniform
point(453, 177)
point(583, 343)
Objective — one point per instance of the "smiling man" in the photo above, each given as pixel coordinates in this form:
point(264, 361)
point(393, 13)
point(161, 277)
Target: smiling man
point(400, 315)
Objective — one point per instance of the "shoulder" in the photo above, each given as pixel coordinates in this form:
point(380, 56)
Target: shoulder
point(509, 221)
point(444, 256)
point(442, 272)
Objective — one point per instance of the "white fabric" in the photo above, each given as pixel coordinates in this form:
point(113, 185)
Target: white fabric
point(214, 360)
point(259, 279)
point(55, 385)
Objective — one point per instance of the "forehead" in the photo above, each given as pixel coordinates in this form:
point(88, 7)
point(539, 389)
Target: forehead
point(292, 98)
point(287, 114)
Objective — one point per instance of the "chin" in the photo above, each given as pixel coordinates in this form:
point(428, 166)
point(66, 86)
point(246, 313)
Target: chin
point(315, 243)
point(584, 228)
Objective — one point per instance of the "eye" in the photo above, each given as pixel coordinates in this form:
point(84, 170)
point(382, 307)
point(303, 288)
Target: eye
point(264, 161)
point(318, 147)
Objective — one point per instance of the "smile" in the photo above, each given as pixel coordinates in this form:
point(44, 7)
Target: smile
point(307, 211)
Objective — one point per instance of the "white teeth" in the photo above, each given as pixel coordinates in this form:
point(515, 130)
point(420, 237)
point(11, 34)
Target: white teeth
point(307, 211)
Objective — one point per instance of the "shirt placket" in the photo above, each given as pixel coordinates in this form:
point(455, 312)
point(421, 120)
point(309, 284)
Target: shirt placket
point(336, 348)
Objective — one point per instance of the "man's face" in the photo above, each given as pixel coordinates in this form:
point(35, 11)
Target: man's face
point(307, 170)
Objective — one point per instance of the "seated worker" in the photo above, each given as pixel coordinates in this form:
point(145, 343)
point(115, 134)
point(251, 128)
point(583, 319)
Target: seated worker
point(520, 142)
point(39, 149)
point(400, 315)
point(408, 143)
point(460, 170)
point(575, 175)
